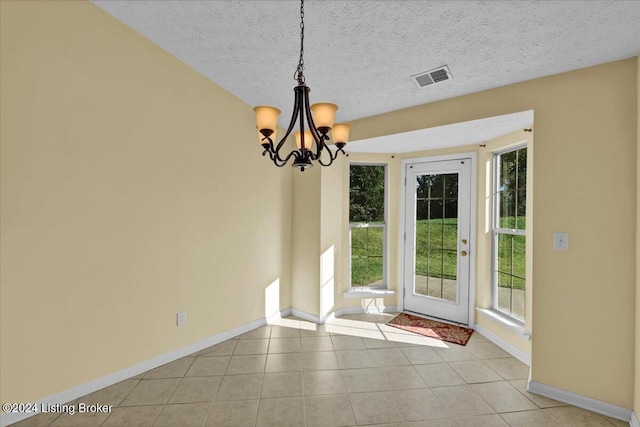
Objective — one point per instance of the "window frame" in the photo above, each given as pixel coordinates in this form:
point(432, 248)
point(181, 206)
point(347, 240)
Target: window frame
point(383, 225)
point(496, 231)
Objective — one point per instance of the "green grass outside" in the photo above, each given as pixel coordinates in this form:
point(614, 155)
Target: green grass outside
point(510, 221)
point(436, 248)
point(366, 255)
point(436, 243)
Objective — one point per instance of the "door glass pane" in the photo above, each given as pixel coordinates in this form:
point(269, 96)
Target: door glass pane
point(436, 249)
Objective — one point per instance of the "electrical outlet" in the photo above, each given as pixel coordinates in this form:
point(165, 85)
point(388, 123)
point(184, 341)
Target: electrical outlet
point(182, 318)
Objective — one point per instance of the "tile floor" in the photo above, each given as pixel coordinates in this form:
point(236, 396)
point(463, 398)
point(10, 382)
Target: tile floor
point(355, 370)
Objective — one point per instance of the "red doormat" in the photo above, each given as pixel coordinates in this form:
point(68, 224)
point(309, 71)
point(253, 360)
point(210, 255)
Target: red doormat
point(432, 328)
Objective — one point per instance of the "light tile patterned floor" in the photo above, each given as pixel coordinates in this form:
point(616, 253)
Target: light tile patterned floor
point(355, 370)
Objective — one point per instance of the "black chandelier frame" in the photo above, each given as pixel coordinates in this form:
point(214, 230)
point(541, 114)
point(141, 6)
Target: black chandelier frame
point(304, 156)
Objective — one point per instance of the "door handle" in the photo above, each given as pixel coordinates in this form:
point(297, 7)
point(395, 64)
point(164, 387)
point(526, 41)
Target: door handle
point(463, 253)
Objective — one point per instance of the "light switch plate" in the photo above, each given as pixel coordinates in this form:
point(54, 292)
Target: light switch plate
point(182, 318)
point(561, 241)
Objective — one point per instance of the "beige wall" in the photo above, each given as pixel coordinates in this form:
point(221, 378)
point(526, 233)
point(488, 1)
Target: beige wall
point(305, 289)
point(584, 173)
point(132, 188)
point(317, 239)
point(331, 236)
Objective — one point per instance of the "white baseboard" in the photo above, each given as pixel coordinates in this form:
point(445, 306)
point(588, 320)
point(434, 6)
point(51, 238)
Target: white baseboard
point(304, 315)
point(584, 402)
point(100, 383)
point(279, 315)
point(512, 350)
point(634, 420)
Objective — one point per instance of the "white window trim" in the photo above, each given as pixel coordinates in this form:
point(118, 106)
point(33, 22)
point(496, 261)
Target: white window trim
point(495, 231)
point(506, 321)
point(366, 291)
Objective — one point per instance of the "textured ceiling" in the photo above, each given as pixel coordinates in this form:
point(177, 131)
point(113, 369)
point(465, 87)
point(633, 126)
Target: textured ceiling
point(361, 54)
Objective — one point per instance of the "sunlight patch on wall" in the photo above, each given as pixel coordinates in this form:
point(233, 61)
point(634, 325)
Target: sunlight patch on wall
point(327, 281)
point(272, 299)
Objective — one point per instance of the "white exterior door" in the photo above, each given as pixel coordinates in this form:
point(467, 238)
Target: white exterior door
point(437, 239)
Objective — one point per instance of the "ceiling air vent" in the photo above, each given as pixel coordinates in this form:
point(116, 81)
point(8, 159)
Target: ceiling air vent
point(437, 75)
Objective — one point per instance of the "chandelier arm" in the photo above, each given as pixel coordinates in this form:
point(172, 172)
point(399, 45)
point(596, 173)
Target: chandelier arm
point(275, 159)
point(318, 137)
point(281, 162)
point(304, 94)
point(267, 144)
point(294, 153)
point(312, 125)
point(332, 157)
point(292, 123)
point(275, 162)
point(273, 155)
point(321, 150)
point(268, 148)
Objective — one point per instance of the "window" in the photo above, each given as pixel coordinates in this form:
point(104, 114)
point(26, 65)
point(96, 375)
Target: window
point(367, 225)
point(509, 235)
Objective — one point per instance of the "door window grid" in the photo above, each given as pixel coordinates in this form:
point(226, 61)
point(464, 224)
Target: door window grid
point(436, 235)
point(509, 235)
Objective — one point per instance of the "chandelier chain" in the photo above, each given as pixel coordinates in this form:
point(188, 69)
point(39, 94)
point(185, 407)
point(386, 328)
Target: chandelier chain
point(299, 76)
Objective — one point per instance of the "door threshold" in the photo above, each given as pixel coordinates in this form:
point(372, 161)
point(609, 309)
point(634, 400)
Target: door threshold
point(448, 322)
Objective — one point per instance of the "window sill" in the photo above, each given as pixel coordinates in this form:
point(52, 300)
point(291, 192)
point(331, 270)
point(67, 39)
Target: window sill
point(368, 293)
point(505, 321)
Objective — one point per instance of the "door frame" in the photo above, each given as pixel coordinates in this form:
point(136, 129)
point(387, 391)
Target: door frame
point(473, 188)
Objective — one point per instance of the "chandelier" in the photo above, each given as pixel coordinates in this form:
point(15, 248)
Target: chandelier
point(317, 118)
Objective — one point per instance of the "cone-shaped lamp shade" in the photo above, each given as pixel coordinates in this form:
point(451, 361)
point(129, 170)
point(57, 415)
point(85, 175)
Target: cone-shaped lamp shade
point(308, 140)
point(266, 117)
point(340, 132)
point(324, 114)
